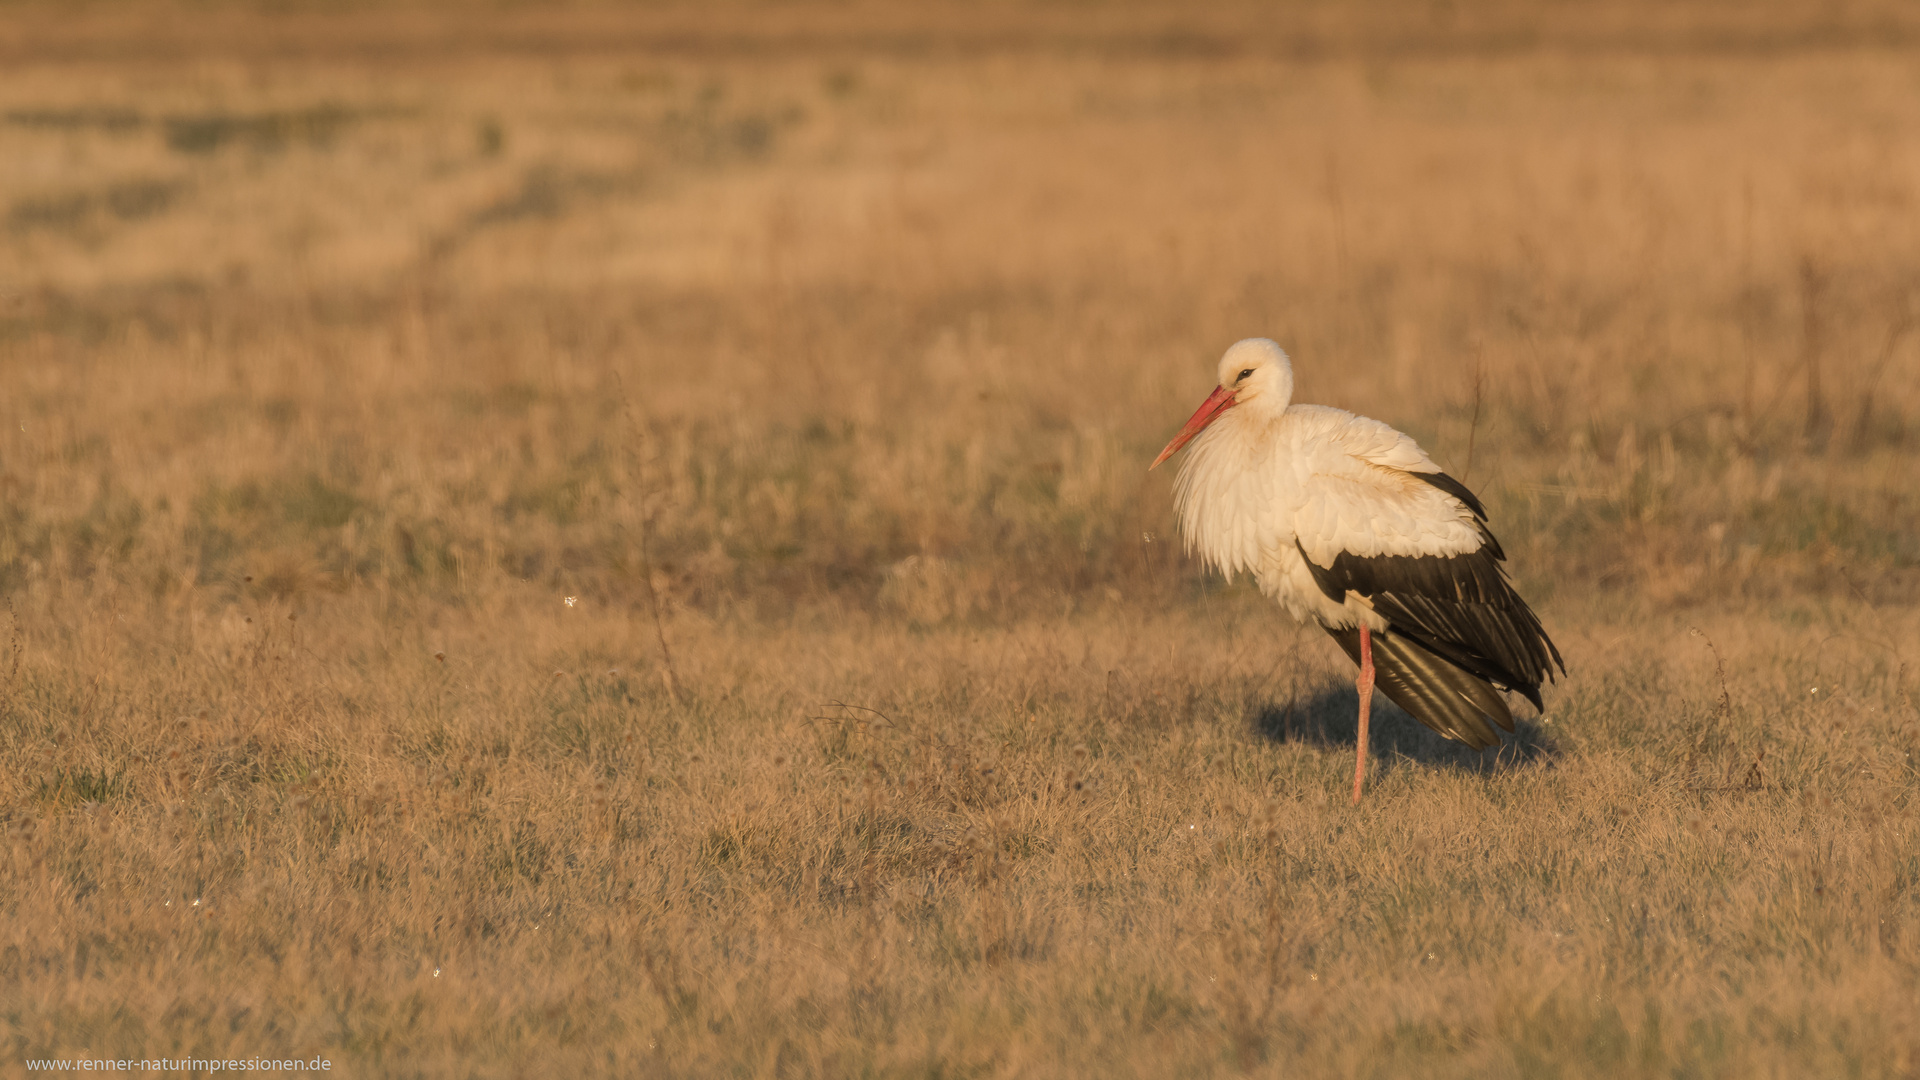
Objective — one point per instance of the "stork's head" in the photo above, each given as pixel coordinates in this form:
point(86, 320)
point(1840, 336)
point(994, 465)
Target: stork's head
point(1255, 375)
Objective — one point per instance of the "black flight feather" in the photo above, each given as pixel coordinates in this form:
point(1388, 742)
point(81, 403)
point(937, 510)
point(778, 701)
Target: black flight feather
point(1431, 690)
point(1454, 488)
point(1456, 626)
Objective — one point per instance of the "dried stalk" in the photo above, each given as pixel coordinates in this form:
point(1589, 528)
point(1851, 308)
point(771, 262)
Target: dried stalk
point(648, 507)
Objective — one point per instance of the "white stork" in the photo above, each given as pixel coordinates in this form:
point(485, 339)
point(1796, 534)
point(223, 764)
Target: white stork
point(1348, 522)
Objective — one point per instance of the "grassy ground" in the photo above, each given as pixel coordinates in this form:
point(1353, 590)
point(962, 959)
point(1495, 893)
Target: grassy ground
point(587, 541)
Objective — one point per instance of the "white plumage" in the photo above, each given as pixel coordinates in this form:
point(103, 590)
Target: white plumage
point(1346, 521)
point(1332, 481)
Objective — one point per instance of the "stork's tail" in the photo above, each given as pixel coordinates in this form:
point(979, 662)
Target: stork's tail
point(1452, 702)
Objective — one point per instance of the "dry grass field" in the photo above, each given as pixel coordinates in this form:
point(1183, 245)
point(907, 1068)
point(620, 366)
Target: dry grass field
point(563, 541)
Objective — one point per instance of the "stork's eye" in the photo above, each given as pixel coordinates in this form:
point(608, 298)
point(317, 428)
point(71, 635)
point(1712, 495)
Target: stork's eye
point(1243, 375)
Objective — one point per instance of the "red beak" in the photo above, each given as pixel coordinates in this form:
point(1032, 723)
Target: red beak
point(1217, 402)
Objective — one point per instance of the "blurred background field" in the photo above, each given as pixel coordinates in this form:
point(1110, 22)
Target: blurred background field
point(386, 390)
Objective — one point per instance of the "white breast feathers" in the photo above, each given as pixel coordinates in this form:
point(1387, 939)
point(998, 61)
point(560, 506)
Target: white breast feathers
point(1253, 493)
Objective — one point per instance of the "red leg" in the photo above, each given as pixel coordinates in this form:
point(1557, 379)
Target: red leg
point(1365, 685)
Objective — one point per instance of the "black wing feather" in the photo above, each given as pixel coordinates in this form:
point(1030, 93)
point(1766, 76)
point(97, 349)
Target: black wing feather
point(1459, 610)
point(1430, 689)
point(1454, 488)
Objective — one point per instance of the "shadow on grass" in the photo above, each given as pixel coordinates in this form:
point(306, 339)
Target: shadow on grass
point(1329, 717)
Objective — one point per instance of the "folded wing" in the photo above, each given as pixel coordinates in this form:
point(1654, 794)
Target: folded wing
point(1456, 627)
